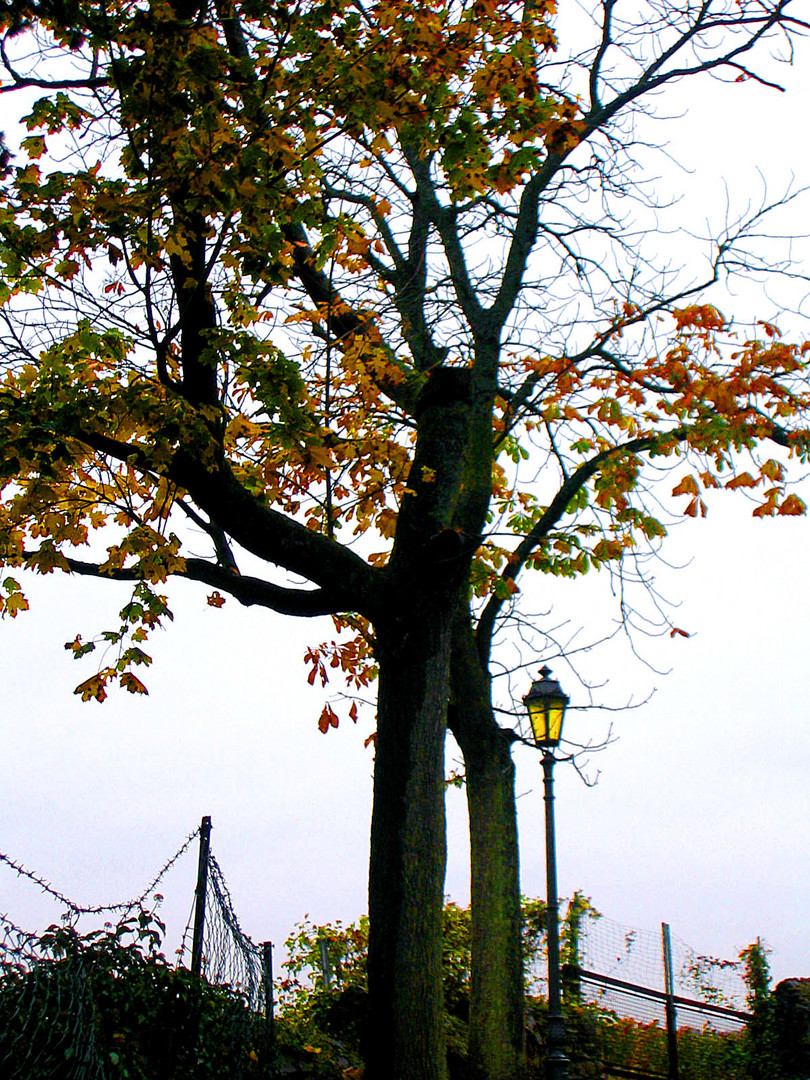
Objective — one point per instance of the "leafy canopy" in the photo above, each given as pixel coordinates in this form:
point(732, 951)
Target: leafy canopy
point(238, 243)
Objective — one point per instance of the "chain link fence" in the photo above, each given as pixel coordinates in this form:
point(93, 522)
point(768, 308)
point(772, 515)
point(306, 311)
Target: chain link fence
point(104, 1003)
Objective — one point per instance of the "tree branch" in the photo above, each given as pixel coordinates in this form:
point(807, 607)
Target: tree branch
point(249, 591)
point(549, 519)
point(266, 533)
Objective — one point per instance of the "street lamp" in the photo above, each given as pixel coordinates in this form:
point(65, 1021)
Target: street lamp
point(546, 703)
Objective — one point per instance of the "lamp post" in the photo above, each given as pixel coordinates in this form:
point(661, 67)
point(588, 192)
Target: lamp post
point(546, 703)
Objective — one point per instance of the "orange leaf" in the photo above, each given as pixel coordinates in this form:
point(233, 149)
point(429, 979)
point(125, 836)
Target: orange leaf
point(792, 506)
point(766, 510)
point(773, 470)
point(687, 486)
point(743, 480)
point(216, 599)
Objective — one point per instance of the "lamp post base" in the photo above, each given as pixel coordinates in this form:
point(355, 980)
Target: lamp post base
point(557, 1066)
point(556, 1062)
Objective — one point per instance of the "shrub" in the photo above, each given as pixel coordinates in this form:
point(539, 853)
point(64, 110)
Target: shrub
point(108, 1005)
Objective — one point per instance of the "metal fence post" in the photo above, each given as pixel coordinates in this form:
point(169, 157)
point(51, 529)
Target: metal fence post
point(326, 968)
point(199, 892)
point(269, 1002)
point(672, 1016)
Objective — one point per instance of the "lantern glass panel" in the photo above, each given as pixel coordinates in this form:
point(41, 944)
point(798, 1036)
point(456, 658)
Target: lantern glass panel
point(546, 717)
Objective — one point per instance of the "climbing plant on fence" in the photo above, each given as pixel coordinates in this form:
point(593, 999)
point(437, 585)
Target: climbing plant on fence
point(325, 1016)
point(108, 1004)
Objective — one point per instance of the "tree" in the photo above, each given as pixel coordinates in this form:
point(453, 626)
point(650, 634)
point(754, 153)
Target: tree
point(284, 278)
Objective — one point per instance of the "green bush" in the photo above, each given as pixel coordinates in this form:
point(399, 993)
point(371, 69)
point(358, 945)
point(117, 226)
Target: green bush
point(790, 1020)
point(107, 1005)
point(331, 1021)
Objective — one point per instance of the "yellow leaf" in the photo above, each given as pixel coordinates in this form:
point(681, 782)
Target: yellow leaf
point(35, 145)
point(67, 268)
point(92, 688)
point(13, 604)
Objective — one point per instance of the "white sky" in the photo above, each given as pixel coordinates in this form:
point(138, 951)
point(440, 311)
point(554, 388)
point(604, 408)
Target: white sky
point(700, 814)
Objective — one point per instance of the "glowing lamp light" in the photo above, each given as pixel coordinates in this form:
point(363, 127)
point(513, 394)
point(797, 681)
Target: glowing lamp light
point(545, 704)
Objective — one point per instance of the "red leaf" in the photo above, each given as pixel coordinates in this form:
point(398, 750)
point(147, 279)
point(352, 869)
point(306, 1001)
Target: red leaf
point(328, 718)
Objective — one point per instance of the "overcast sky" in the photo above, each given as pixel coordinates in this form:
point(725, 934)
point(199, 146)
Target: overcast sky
point(700, 814)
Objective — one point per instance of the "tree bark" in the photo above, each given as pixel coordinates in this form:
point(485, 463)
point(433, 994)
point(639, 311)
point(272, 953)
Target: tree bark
point(408, 852)
point(413, 625)
point(496, 1029)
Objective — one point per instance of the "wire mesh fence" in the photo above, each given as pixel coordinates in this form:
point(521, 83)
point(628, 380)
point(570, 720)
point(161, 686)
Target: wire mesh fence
point(229, 956)
point(81, 1004)
point(658, 1000)
point(649, 1006)
point(636, 956)
point(623, 970)
point(104, 1002)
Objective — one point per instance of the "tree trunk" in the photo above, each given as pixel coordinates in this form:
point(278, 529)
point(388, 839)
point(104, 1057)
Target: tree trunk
point(408, 848)
point(429, 565)
point(496, 1031)
point(496, 999)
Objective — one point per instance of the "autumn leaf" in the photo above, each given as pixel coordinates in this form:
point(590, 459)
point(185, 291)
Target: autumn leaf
point(14, 601)
point(696, 508)
point(687, 486)
point(792, 506)
point(92, 688)
point(773, 470)
point(34, 145)
point(79, 648)
point(327, 719)
point(742, 480)
point(133, 684)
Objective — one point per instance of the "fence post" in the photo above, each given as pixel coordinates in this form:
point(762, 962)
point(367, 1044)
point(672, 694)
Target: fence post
point(672, 1016)
point(326, 968)
point(269, 1003)
point(199, 892)
point(572, 988)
